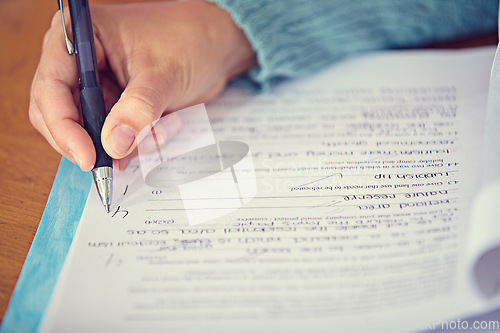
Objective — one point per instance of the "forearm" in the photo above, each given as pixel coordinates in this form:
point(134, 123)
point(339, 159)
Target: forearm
point(295, 37)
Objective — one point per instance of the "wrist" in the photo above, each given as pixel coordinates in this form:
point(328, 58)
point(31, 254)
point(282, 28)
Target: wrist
point(237, 55)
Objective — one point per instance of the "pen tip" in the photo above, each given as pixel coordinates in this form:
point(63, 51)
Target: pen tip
point(103, 179)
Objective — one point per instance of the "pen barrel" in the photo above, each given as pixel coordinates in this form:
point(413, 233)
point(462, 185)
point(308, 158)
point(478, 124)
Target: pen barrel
point(94, 114)
point(91, 96)
point(83, 39)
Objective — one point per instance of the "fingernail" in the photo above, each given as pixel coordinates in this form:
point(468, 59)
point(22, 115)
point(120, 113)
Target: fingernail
point(169, 126)
point(122, 138)
point(75, 158)
point(173, 125)
point(163, 131)
point(120, 165)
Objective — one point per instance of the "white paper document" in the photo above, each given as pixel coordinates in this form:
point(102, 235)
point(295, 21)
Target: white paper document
point(341, 202)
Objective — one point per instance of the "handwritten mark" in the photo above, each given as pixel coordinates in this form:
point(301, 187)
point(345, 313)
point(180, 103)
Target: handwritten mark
point(120, 211)
point(126, 188)
point(112, 261)
point(318, 180)
point(246, 258)
point(330, 203)
point(335, 211)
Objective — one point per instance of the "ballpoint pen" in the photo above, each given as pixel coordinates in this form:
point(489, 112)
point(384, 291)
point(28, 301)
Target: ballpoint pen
point(91, 95)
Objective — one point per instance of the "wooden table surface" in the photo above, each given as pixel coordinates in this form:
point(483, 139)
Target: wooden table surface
point(27, 163)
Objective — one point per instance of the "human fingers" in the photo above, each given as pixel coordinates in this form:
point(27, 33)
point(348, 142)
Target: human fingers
point(52, 108)
point(142, 102)
point(200, 49)
point(54, 98)
point(36, 119)
point(153, 138)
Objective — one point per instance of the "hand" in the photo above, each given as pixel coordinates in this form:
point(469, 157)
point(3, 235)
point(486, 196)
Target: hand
point(153, 58)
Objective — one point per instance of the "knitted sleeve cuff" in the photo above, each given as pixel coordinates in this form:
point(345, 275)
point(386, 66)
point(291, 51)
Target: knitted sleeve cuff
point(297, 37)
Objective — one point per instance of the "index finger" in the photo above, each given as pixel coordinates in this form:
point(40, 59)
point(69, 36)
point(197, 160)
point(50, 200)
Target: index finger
point(53, 86)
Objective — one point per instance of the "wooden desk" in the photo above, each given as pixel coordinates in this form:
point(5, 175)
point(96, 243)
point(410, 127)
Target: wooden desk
point(27, 163)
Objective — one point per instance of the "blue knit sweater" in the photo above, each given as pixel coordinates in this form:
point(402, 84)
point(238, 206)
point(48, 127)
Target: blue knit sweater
point(296, 37)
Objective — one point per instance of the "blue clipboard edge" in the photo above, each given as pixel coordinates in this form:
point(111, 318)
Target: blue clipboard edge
point(48, 251)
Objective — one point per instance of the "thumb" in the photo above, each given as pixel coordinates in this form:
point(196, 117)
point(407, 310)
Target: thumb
point(142, 102)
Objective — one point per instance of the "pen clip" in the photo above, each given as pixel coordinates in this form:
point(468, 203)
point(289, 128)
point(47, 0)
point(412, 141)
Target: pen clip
point(69, 45)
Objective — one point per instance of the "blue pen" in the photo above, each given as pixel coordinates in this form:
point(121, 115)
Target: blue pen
point(91, 96)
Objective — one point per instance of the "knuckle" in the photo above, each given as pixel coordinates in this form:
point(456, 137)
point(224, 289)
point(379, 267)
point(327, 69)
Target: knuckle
point(148, 102)
point(54, 30)
point(33, 117)
point(45, 40)
point(56, 20)
point(36, 94)
point(36, 89)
